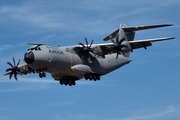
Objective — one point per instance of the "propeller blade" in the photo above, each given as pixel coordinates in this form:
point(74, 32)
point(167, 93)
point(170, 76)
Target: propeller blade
point(10, 75)
point(118, 47)
point(113, 41)
point(123, 52)
point(123, 46)
point(19, 61)
point(10, 64)
point(15, 76)
point(91, 43)
point(82, 45)
point(85, 52)
point(14, 61)
point(8, 69)
point(117, 36)
point(86, 41)
point(121, 41)
point(117, 55)
point(13, 70)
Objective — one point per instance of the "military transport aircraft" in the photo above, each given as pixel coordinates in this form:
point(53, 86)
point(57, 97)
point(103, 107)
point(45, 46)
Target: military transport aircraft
point(90, 61)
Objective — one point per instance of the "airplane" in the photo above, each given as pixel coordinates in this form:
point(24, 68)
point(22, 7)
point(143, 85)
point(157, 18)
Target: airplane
point(90, 61)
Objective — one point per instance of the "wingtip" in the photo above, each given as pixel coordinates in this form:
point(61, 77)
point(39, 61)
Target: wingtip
point(172, 38)
point(170, 24)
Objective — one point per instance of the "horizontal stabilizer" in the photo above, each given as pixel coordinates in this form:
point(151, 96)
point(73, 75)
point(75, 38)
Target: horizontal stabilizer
point(145, 27)
point(39, 44)
point(113, 35)
point(130, 29)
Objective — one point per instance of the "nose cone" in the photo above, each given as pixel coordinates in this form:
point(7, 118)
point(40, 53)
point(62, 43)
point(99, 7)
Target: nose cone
point(29, 57)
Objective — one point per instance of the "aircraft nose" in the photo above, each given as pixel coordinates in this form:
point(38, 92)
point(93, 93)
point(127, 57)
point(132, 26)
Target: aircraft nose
point(29, 57)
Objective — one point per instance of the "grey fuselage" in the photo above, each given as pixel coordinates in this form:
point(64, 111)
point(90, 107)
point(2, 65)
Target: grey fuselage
point(65, 63)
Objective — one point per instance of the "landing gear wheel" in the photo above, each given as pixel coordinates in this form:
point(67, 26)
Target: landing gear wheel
point(98, 77)
point(70, 83)
point(94, 77)
point(61, 82)
point(74, 83)
point(86, 76)
point(65, 82)
point(40, 75)
point(90, 76)
point(44, 74)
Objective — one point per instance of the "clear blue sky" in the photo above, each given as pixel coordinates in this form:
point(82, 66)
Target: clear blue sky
point(146, 89)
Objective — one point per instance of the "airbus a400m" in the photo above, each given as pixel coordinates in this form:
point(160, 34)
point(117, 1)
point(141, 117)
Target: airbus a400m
point(90, 61)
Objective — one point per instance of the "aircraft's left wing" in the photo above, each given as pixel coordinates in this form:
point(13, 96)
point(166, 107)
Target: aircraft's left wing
point(104, 49)
point(107, 48)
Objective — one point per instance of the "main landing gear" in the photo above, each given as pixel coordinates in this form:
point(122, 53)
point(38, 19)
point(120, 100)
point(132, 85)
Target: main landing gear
point(42, 74)
point(92, 76)
point(68, 82)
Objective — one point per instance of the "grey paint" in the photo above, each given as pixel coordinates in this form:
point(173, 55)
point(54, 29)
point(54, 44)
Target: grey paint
point(70, 64)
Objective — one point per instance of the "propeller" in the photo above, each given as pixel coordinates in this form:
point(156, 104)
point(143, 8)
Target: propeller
point(86, 49)
point(118, 47)
point(14, 69)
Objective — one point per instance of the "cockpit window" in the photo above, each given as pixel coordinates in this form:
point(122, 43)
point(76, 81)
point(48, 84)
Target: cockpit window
point(37, 48)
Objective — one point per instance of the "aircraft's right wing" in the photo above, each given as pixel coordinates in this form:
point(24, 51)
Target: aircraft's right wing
point(146, 43)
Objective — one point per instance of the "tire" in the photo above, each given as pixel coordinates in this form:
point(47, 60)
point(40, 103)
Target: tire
point(86, 77)
point(94, 77)
point(98, 77)
point(40, 75)
point(65, 82)
point(43, 74)
point(90, 76)
point(61, 82)
point(74, 82)
point(70, 83)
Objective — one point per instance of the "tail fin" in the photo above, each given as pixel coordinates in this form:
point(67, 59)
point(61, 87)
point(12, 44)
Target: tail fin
point(121, 31)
